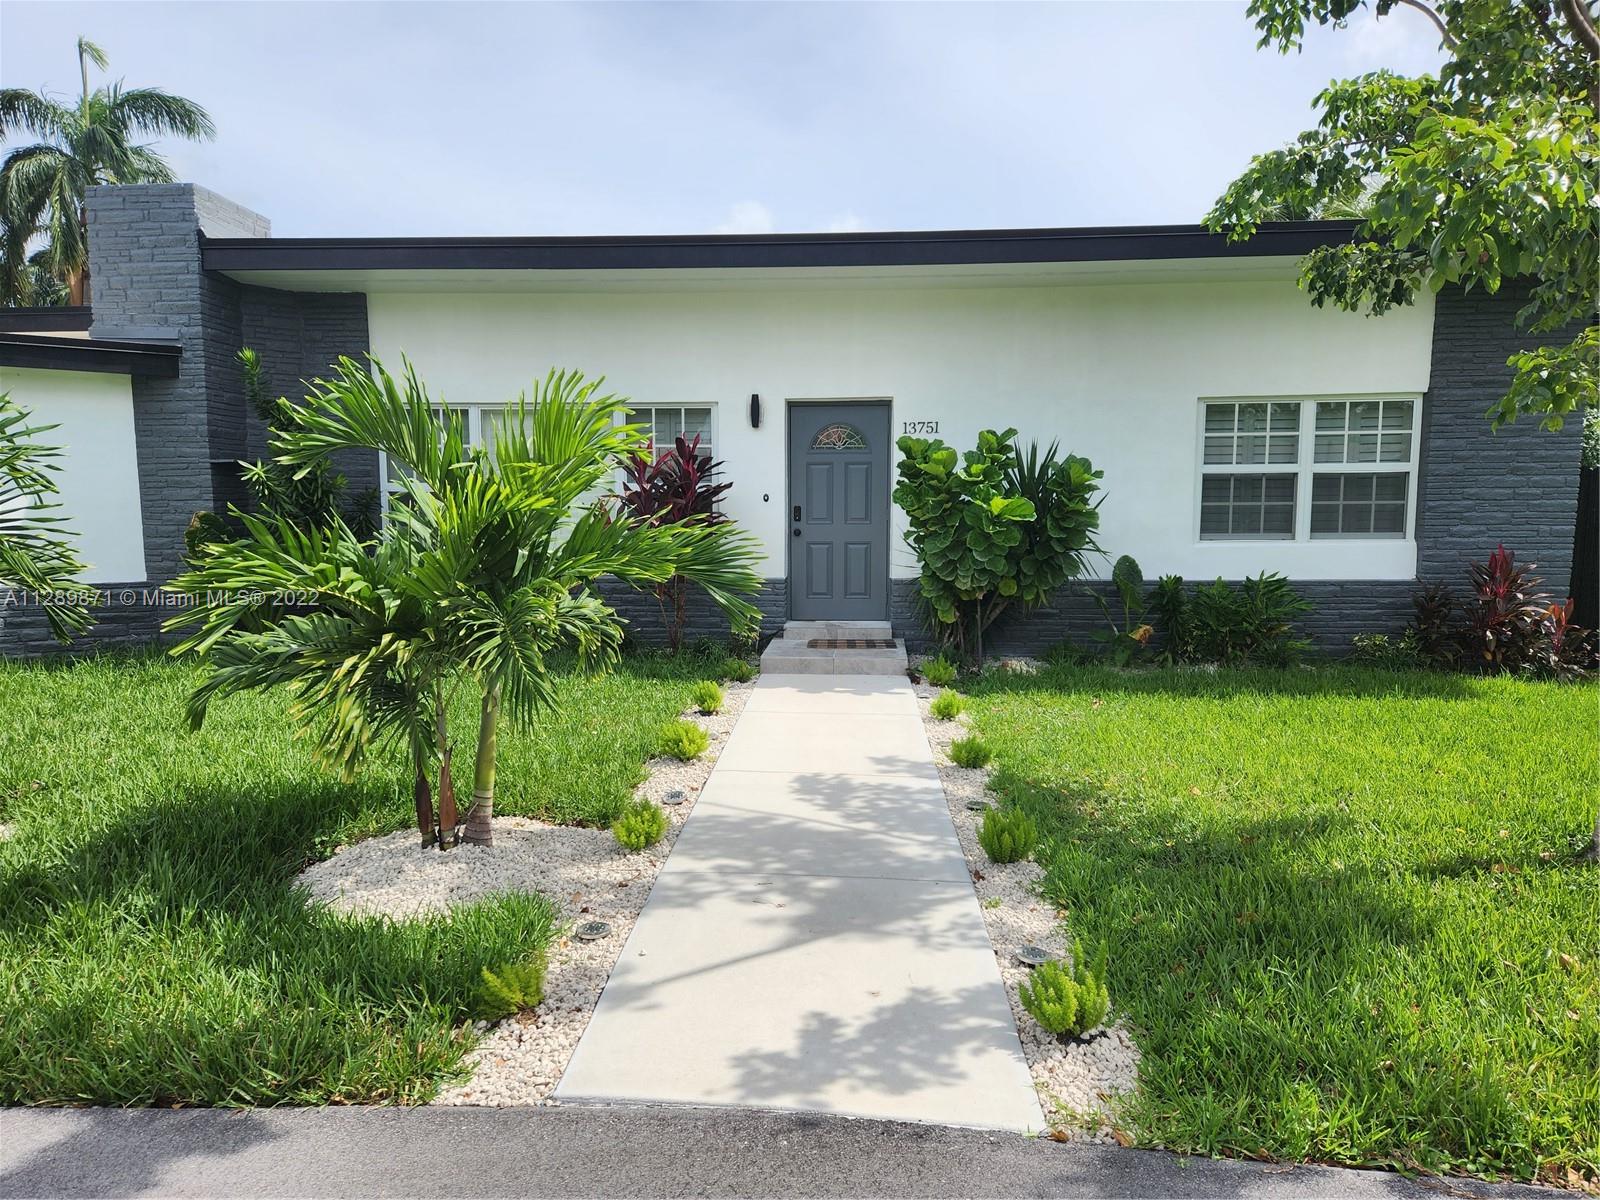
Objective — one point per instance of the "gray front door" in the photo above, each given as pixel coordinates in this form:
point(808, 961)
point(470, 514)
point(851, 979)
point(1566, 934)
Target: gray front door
point(839, 511)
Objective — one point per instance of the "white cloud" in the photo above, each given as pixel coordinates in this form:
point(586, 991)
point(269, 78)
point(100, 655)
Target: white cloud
point(848, 223)
point(748, 216)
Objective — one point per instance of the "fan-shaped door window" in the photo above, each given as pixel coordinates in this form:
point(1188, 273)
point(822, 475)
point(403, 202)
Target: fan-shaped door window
point(838, 437)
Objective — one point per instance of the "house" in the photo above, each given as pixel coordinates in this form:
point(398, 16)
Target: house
point(1240, 428)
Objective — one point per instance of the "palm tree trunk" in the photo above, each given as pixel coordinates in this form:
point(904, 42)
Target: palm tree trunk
point(422, 794)
point(479, 830)
point(447, 787)
point(78, 277)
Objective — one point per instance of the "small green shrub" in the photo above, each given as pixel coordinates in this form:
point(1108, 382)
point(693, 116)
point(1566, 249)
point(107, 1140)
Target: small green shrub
point(1251, 623)
point(510, 989)
point(1007, 835)
point(682, 740)
point(940, 672)
point(1065, 654)
point(642, 824)
point(947, 705)
point(736, 670)
point(1403, 653)
point(706, 696)
point(970, 752)
point(1069, 1001)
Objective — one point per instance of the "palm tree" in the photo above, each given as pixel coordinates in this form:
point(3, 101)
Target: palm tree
point(502, 546)
point(36, 552)
point(43, 185)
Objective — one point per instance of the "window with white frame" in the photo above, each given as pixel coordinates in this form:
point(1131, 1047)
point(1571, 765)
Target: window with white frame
point(1298, 470)
point(663, 424)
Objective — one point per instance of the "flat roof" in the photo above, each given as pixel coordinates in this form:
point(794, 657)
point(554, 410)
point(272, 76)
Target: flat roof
point(45, 353)
point(60, 318)
point(791, 250)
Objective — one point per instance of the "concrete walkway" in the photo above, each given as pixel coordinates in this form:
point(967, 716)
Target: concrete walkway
point(814, 941)
point(619, 1152)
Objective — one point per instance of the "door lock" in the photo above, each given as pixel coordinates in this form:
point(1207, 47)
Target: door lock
point(797, 514)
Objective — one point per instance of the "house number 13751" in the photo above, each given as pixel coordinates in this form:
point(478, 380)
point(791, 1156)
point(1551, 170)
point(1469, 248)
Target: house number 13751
point(919, 427)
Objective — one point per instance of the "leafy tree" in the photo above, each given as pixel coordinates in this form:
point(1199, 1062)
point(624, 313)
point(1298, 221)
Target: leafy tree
point(993, 528)
point(491, 559)
point(36, 551)
point(1483, 174)
point(43, 185)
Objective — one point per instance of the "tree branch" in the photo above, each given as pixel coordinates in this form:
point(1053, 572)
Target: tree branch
point(1450, 39)
point(1582, 27)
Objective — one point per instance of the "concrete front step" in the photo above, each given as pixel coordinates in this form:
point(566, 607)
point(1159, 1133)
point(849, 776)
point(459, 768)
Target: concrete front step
point(801, 631)
point(792, 653)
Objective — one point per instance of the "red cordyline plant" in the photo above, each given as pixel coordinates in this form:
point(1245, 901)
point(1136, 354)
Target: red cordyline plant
point(675, 487)
point(1506, 615)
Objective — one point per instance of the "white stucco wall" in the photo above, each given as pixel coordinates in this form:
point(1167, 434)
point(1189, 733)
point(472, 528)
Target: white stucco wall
point(1113, 371)
point(99, 466)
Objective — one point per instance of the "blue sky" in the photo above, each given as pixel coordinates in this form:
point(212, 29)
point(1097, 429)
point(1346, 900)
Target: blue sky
point(410, 119)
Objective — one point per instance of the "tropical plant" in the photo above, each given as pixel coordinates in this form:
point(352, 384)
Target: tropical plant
point(682, 740)
point(500, 548)
point(1170, 604)
point(25, 277)
point(307, 498)
point(992, 528)
point(1505, 613)
point(511, 988)
point(939, 671)
point(1007, 835)
point(736, 670)
point(1483, 174)
point(673, 487)
point(1438, 633)
point(947, 705)
point(43, 185)
point(706, 697)
point(1567, 651)
point(642, 824)
point(1220, 623)
point(37, 556)
point(1068, 1001)
point(1126, 642)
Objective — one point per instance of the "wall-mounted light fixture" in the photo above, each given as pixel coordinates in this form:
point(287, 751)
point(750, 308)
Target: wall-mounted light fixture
point(755, 411)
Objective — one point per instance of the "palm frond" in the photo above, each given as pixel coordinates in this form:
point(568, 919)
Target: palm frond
point(154, 111)
point(369, 409)
point(24, 111)
point(37, 554)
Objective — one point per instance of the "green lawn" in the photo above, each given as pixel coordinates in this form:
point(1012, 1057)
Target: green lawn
point(1337, 903)
point(151, 950)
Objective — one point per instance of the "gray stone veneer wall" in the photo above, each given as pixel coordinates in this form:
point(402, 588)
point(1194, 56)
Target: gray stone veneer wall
point(300, 335)
point(190, 432)
point(1481, 487)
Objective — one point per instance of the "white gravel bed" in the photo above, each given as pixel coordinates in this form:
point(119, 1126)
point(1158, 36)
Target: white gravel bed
point(1077, 1082)
point(584, 872)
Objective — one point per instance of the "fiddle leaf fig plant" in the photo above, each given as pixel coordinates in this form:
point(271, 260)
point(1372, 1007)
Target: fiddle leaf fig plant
point(992, 528)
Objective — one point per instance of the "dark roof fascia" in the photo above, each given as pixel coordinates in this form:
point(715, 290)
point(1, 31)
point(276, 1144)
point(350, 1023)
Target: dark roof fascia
point(63, 318)
point(915, 248)
point(89, 354)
